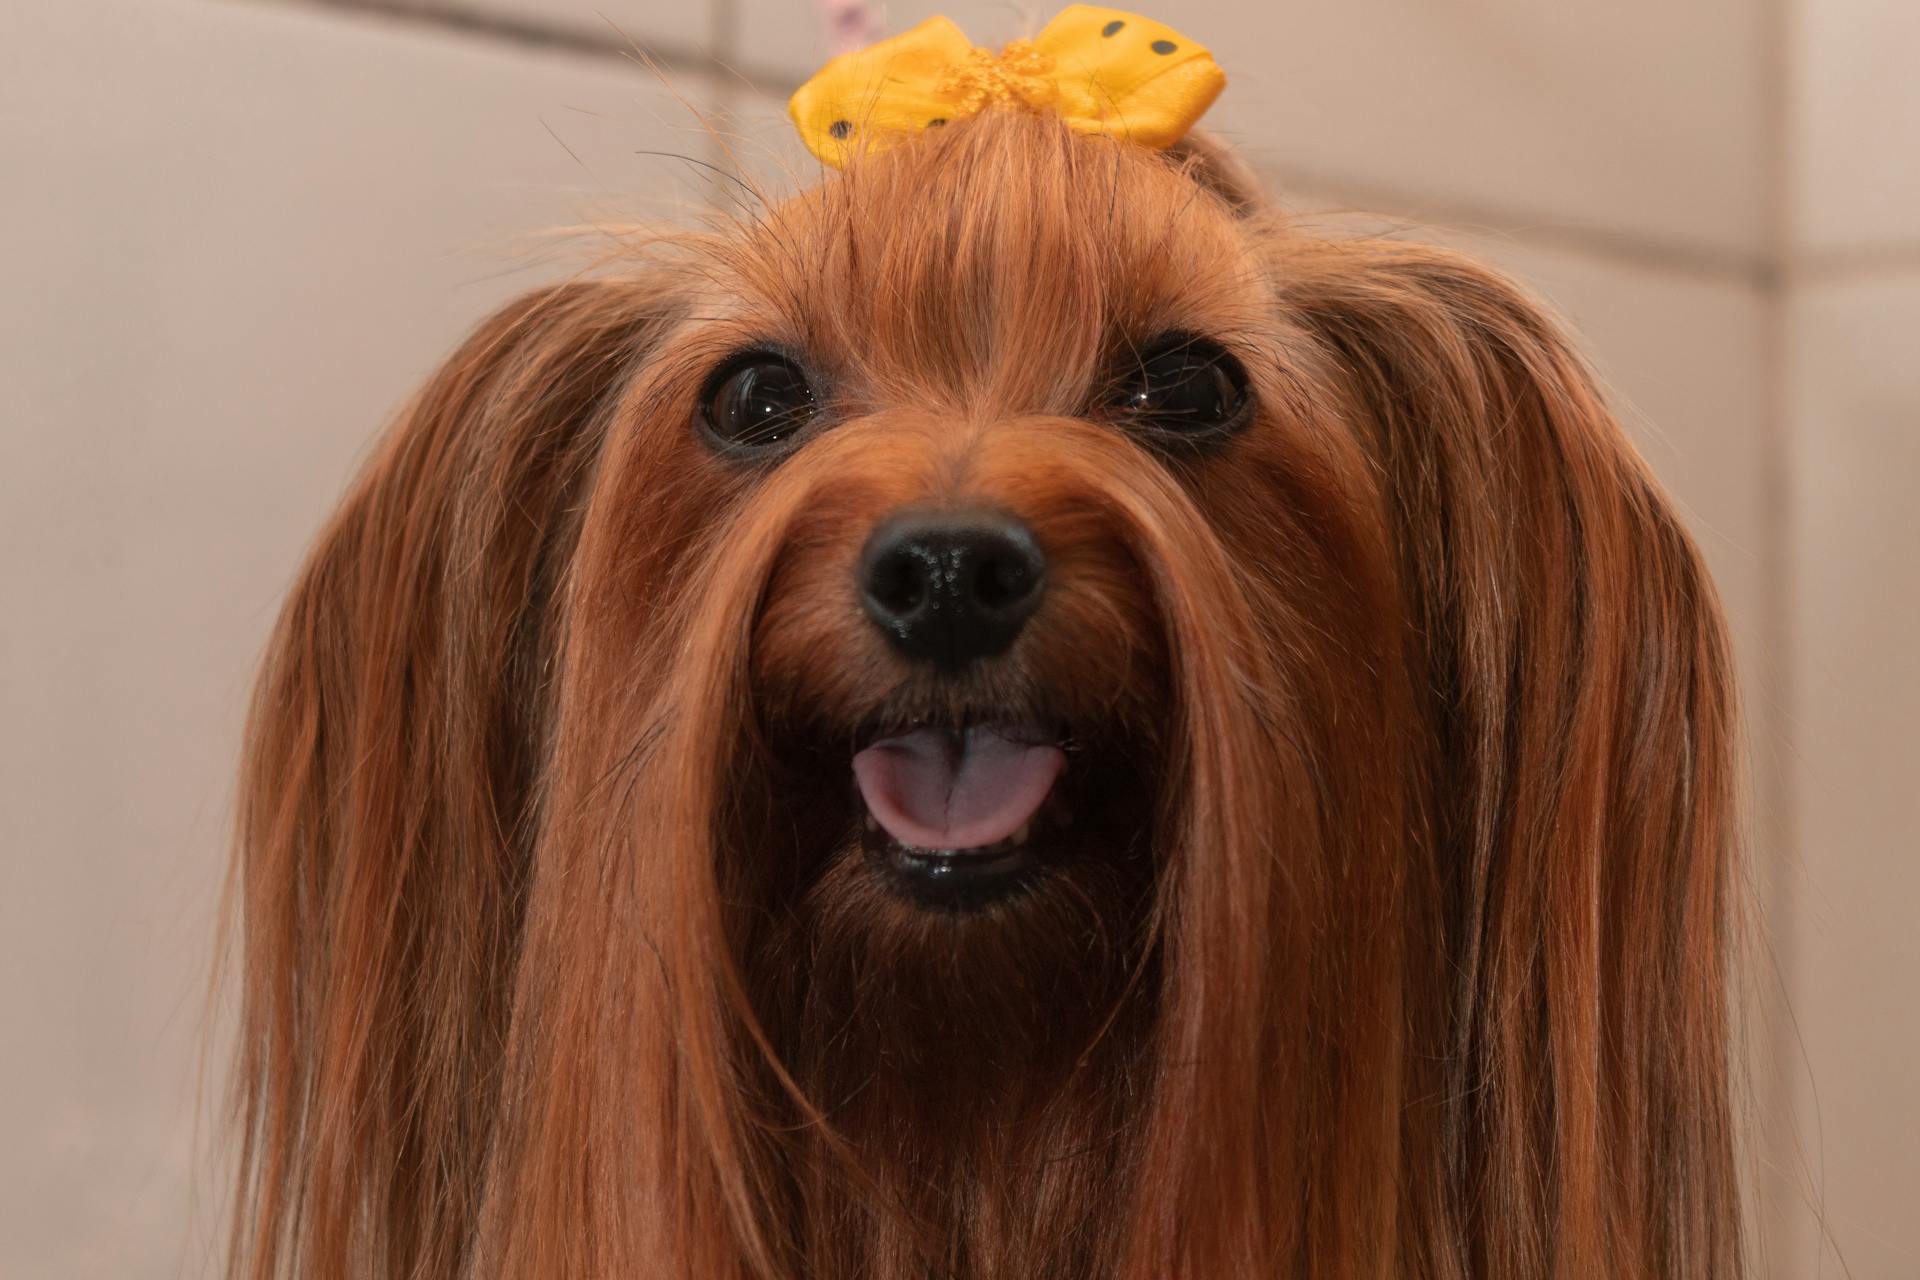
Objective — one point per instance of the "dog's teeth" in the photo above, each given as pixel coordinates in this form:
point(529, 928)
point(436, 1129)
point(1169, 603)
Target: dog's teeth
point(1020, 836)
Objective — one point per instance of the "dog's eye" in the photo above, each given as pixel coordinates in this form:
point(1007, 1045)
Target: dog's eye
point(1183, 385)
point(757, 399)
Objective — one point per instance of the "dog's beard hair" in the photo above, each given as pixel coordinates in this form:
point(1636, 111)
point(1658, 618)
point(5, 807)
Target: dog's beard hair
point(561, 959)
point(985, 1070)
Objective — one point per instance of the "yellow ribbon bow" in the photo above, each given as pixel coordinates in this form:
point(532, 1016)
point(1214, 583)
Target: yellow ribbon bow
point(1101, 70)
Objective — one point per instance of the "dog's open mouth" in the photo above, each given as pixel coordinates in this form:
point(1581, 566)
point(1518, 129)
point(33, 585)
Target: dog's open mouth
point(951, 811)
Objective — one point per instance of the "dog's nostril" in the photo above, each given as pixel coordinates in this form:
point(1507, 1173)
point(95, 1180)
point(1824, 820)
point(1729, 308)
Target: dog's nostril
point(1002, 581)
point(898, 582)
point(950, 588)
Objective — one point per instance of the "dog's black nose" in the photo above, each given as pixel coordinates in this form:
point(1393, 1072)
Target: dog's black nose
point(949, 588)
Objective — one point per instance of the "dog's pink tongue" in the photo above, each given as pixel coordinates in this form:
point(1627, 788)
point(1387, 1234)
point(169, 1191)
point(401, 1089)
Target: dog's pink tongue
point(931, 789)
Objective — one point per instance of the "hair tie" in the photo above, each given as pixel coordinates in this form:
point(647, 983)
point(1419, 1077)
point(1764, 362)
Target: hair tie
point(1101, 70)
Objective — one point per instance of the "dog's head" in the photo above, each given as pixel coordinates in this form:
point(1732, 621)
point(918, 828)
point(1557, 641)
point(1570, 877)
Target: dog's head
point(1012, 715)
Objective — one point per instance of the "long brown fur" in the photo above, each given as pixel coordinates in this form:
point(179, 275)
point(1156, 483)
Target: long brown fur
point(1395, 947)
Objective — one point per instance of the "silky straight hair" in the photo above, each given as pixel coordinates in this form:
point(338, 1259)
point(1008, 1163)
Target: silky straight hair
point(1412, 704)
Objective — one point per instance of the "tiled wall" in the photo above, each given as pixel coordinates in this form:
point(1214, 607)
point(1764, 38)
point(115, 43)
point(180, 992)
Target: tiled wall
point(1850, 944)
point(236, 234)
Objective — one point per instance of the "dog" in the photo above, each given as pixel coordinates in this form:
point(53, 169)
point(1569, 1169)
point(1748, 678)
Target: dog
point(1016, 713)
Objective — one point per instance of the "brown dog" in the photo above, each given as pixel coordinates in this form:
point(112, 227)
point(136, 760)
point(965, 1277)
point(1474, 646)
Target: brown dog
point(1014, 717)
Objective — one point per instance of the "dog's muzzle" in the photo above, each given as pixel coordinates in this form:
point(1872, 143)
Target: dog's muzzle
point(949, 806)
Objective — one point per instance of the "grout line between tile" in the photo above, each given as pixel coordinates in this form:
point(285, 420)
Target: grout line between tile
point(1812, 268)
point(1765, 270)
point(1780, 1236)
point(736, 80)
point(608, 43)
point(1755, 271)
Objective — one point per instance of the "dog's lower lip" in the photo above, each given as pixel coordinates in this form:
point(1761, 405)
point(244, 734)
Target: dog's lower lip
point(952, 879)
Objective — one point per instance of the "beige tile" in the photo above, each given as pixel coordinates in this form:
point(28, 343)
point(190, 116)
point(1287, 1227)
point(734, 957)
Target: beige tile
point(648, 27)
point(1636, 118)
point(1854, 949)
point(1855, 125)
point(236, 236)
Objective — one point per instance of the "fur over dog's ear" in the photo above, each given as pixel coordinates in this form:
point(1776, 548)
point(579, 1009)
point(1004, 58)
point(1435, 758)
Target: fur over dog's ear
point(1218, 168)
point(1581, 778)
point(387, 802)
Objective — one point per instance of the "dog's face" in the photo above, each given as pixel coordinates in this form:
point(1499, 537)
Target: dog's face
point(1015, 482)
point(1011, 715)
point(961, 626)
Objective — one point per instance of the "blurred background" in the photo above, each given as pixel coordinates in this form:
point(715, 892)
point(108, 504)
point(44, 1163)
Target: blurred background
point(234, 235)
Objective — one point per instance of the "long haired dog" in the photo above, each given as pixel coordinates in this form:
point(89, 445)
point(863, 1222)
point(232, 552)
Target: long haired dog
point(1011, 717)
